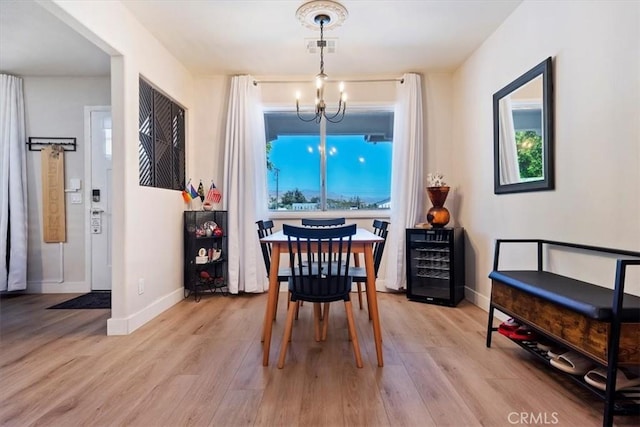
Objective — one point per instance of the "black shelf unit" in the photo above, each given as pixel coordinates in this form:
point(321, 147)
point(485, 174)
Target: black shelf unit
point(435, 265)
point(205, 274)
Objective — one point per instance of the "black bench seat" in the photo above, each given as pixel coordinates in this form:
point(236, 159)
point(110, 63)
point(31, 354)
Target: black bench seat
point(590, 300)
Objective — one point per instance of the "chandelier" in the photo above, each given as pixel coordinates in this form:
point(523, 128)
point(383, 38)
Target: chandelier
point(323, 14)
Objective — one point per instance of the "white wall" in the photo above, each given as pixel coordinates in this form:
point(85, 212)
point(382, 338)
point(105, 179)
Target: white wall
point(595, 47)
point(54, 107)
point(147, 222)
point(211, 121)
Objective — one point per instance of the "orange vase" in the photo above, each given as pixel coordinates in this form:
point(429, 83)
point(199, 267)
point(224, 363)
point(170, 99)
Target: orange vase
point(438, 215)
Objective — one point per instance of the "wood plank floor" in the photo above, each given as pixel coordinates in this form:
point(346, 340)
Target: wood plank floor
point(199, 364)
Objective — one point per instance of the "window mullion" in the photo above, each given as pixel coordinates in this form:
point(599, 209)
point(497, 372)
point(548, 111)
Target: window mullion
point(323, 165)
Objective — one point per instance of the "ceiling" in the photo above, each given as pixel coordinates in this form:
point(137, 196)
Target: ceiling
point(262, 37)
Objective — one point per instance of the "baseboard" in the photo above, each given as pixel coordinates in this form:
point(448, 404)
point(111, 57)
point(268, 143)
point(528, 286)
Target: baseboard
point(126, 325)
point(476, 298)
point(58, 288)
point(482, 301)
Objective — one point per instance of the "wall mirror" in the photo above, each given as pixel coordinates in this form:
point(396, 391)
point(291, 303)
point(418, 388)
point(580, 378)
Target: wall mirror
point(523, 132)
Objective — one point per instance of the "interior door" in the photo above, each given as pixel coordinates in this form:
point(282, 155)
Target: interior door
point(100, 200)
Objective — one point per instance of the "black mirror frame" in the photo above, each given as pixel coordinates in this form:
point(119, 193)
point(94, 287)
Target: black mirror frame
point(548, 183)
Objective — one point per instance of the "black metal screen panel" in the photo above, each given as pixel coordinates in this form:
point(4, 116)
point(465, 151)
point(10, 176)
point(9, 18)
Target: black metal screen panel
point(145, 146)
point(161, 149)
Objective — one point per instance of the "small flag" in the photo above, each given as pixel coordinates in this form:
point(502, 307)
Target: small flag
point(192, 191)
point(186, 196)
point(214, 195)
point(186, 193)
point(201, 192)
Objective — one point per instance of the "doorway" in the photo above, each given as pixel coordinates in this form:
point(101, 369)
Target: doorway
point(98, 173)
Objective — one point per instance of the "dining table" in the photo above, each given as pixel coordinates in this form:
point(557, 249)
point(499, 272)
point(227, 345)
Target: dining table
point(361, 243)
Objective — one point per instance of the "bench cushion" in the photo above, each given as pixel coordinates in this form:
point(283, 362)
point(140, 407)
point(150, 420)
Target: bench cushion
point(585, 298)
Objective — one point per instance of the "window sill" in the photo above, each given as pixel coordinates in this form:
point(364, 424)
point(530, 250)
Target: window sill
point(355, 214)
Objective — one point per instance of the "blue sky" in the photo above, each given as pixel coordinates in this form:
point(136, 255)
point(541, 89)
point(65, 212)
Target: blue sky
point(354, 167)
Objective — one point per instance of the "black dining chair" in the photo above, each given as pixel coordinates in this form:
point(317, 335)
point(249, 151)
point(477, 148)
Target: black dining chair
point(359, 274)
point(322, 222)
point(313, 280)
point(265, 228)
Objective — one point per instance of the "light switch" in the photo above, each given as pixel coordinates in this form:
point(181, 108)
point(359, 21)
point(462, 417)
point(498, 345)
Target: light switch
point(75, 184)
point(76, 198)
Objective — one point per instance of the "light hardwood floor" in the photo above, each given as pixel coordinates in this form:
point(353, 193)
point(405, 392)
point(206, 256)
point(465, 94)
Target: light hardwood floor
point(200, 364)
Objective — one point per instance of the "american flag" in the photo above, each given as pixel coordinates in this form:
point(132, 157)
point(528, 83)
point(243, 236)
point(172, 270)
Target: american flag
point(214, 195)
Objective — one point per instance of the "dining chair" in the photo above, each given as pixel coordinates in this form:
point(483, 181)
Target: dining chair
point(314, 280)
point(359, 274)
point(322, 222)
point(265, 228)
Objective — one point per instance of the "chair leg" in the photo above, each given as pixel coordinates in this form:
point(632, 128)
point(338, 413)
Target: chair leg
point(325, 321)
point(353, 333)
point(317, 313)
point(359, 294)
point(298, 304)
point(287, 335)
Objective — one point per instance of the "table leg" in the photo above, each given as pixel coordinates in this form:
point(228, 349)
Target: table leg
point(373, 301)
point(271, 302)
point(356, 260)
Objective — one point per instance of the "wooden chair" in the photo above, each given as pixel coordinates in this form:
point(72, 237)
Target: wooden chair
point(359, 274)
point(314, 280)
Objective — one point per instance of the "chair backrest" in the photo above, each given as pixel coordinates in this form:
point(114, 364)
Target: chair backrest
point(313, 278)
point(323, 222)
point(380, 228)
point(265, 228)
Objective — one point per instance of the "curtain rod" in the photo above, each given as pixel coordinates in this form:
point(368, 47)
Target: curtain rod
point(399, 79)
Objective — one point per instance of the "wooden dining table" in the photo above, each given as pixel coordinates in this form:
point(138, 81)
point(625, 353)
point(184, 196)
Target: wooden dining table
point(361, 242)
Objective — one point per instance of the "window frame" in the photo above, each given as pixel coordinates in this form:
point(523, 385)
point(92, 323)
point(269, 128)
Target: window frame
point(323, 212)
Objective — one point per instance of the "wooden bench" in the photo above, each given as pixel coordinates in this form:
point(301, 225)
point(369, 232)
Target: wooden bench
point(600, 323)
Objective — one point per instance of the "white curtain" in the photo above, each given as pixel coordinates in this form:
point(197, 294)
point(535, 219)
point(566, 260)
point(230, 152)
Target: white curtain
point(509, 170)
point(407, 186)
point(245, 188)
point(13, 186)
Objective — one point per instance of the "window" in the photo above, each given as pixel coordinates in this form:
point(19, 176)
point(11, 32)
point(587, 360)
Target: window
point(329, 166)
point(161, 144)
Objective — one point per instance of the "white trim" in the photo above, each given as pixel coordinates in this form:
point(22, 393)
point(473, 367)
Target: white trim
point(48, 287)
point(355, 214)
point(482, 301)
point(476, 298)
point(126, 325)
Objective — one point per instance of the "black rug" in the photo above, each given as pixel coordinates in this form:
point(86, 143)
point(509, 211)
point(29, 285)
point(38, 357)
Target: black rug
point(98, 299)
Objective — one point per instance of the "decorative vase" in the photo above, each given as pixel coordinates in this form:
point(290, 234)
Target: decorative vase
point(438, 215)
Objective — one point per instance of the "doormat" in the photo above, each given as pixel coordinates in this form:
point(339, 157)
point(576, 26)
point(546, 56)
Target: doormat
point(90, 300)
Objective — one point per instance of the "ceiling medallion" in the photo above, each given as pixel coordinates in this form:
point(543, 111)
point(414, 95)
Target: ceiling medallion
point(308, 12)
point(322, 14)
